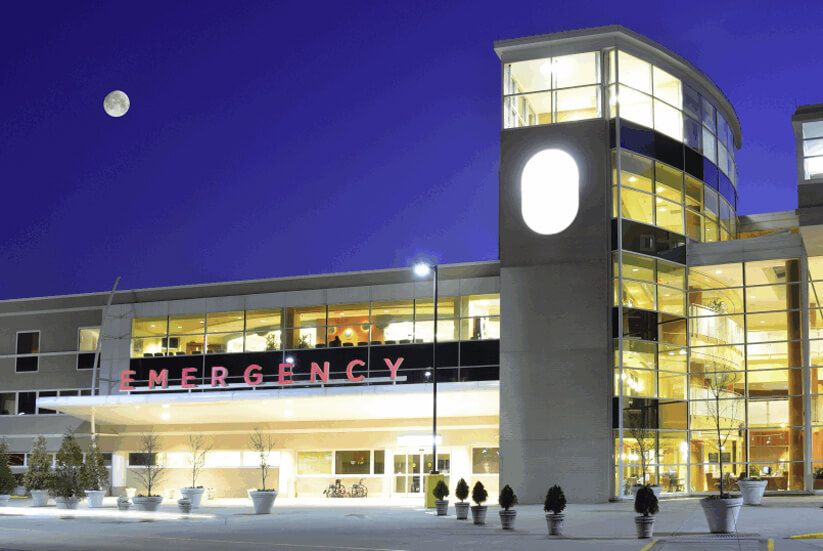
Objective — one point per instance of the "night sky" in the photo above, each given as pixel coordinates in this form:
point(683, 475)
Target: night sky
point(271, 139)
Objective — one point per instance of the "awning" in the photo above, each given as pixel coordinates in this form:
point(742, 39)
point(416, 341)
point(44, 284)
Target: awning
point(406, 401)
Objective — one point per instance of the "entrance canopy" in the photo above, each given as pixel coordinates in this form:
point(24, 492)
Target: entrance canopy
point(468, 399)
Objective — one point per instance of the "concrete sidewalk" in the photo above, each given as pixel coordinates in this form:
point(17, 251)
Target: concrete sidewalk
point(379, 525)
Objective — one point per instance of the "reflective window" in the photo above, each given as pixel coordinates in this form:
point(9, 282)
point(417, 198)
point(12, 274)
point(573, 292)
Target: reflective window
point(667, 87)
point(635, 72)
point(485, 460)
point(314, 462)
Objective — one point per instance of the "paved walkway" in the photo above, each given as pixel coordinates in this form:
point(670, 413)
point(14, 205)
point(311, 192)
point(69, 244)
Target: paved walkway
point(380, 525)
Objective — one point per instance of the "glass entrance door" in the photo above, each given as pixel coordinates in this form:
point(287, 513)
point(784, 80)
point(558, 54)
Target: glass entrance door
point(409, 470)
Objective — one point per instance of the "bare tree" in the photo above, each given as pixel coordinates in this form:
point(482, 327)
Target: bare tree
point(723, 409)
point(151, 472)
point(263, 445)
point(198, 447)
point(640, 423)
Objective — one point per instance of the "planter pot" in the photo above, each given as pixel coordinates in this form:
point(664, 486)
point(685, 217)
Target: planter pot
point(555, 523)
point(4, 500)
point(442, 507)
point(195, 495)
point(752, 491)
point(479, 513)
point(461, 509)
point(124, 505)
point(184, 505)
point(655, 488)
point(507, 518)
point(721, 513)
point(39, 498)
point(263, 502)
point(147, 503)
point(818, 483)
point(67, 502)
point(644, 525)
point(95, 498)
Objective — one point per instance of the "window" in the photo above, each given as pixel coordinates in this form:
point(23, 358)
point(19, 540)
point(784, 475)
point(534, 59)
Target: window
point(142, 459)
point(314, 462)
point(352, 462)
point(635, 72)
point(87, 339)
point(813, 149)
point(26, 403)
point(28, 344)
point(485, 460)
point(8, 403)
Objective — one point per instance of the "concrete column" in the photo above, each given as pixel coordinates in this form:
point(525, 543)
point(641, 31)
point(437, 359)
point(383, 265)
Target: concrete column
point(796, 449)
point(287, 479)
point(461, 466)
point(118, 473)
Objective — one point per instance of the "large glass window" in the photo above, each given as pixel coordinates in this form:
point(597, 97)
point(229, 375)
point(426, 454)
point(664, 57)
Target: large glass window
point(485, 460)
point(314, 462)
point(28, 344)
point(352, 462)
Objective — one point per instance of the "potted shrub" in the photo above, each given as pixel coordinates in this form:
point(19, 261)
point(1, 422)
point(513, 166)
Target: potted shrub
point(149, 474)
point(7, 482)
point(645, 504)
point(67, 484)
point(479, 496)
point(441, 504)
point(752, 488)
point(554, 505)
point(461, 508)
point(197, 448)
point(262, 499)
point(123, 503)
point(721, 510)
point(507, 500)
point(94, 476)
point(39, 477)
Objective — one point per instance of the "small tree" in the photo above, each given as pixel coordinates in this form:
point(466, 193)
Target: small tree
point(555, 500)
point(93, 473)
point(507, 498)
point(39, 475)
point(151, 472)
point(69, 462)
point(198, 447)
point(441, 490)
point(462, 490)
point(645, 502)
point(7, 482)
point(263, 445)
point(479, 493)
point(723, 410)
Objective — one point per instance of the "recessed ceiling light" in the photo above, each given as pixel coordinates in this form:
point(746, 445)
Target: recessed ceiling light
point(165, 416)
point(762, 321)
point(659, 189)
point(153, 325)
point(752, 296)
point(165, 406)
point(632, 179)
point(635, 269)
point(718, 271)
point(667, 295)
point(661, 209)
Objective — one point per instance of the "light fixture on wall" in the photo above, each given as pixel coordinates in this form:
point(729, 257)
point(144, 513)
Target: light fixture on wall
point(550, 191)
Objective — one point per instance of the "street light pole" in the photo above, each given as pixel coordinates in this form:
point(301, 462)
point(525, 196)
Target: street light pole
point(434, 376)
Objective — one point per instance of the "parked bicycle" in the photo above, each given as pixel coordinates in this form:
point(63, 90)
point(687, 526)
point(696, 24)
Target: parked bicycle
point(335, 490)
point(359, 489)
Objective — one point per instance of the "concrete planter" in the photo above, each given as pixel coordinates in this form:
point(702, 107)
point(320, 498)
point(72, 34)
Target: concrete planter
point(442, 507)
point(67, 502)
point(95, 498)
point(4, 500)
point(752, 491)
point(644, 525)
point(721, 513)
point(184, 505)
point(195, 495)
point(479, 514)
point(262, 502)
point(655, 488)
point(507, 518)
point(39, 498)
point(555, 523)
point(123, 504)
point(461, 509)
point(147, 503)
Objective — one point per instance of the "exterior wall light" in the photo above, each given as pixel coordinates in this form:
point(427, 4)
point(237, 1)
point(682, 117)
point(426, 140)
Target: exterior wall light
point(550, 191)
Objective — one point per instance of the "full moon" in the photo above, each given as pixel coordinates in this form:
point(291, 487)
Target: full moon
point(116, 103)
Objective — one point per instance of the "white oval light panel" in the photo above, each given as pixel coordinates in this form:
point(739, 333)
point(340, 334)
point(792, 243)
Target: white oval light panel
point(550, 191)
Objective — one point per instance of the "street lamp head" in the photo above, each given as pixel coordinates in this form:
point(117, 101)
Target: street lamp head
point(422, 269)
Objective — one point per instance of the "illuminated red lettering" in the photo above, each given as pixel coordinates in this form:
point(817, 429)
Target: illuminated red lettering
point(218, 375)
point(125, 379)
point(256, 379)
point(324, 374)
point(187, 376)
point(162, 378)
point(283, 371)
point(393, 367)
point(350, 367)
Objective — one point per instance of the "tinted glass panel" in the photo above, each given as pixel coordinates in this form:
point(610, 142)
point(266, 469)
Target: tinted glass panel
point(26, 364)
point(26, 402)
point(28, 343)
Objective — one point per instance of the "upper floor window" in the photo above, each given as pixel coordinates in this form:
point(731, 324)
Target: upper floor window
point(87, 339)
point(28, 344)
point(551, 90)
point(813, 149)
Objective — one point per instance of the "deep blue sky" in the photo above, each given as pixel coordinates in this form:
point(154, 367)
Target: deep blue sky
point(284, 138)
